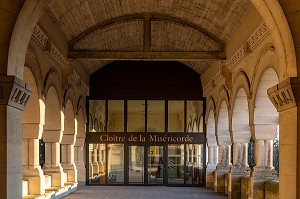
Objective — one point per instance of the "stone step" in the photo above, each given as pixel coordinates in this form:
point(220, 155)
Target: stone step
point(55, 192)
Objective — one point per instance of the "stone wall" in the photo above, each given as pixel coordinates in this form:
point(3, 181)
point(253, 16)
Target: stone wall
point(272, 190)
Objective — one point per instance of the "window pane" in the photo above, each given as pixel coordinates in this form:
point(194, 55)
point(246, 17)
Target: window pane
point(97, 163)
point(155, 164)
point(115, 160)
point(175, 116)
point(97, 115)
point(136, 116)
point(136, 164)
point(115, 116)
point(194, 116)
point(156, 116)
point(194, 164)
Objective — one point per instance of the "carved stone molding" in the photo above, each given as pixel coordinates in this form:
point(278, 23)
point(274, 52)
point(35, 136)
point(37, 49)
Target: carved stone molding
point(285, 95)
point(14, 92)
point(40, 36)
point(259, 34)
point(238, 56)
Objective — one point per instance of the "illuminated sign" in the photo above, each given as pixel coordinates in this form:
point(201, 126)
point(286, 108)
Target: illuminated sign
point(188, 138)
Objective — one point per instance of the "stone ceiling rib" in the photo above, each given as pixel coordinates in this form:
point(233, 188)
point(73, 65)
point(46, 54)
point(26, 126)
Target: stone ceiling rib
point(153, 17)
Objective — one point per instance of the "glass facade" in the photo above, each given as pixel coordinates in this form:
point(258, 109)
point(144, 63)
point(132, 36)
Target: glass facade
point(154, 142)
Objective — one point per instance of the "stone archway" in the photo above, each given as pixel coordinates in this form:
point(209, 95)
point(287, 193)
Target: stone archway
point(52, 135)
point(240, 136)
point(33, 120)
point(68, 142)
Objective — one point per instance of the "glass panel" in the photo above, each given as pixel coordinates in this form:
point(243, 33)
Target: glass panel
point(136, 116)
point(155, 164)
point(194, 164)
point(115, 116)
point(136, 164)
point(175, 163)
point(97, 115)
point(156, 116)
point(115, 166)
point(194, 116)
point(97, 162)
point(175, 116)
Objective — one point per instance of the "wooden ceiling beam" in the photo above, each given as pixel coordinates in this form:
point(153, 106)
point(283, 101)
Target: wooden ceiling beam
point(125, 55)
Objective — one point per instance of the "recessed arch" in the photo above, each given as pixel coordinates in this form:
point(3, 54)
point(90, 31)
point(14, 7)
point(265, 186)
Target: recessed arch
point(54, 118)
point(266, 117)
point(33, 115)
point(240, 117)
point(211, 129)
point(223, 133)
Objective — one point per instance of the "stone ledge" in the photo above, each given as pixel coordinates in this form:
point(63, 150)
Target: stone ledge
point(56, 192)
point(272, 186)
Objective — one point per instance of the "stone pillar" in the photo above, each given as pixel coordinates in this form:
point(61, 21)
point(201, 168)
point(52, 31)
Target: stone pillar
point(95, 160)
point(285, 97)
point(263, 170)
point(14, 95)
point(90, 164)
point(223, 168)
point(68, 163)
point(52, 165)
point(79, 160)
point(239, 169)
point(211, 165)
point(31, 168)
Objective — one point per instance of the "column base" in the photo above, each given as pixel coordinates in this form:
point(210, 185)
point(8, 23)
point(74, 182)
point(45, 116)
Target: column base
point(36, 180)
point(259, 176)
point(57, 176)
point(234, 185)
point(219, 178)
point(210, 175)
point(71, 170)
point(81, 172)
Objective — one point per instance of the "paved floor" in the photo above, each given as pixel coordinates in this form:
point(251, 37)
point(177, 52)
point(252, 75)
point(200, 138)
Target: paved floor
point(143, 192)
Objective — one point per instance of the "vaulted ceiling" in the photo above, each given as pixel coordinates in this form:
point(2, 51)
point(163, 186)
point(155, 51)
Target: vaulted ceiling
point(192, 31)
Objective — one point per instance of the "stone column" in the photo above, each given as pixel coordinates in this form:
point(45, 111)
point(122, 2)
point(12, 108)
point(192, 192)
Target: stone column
point(285, 97)
point(32, 171)
point(240, 167)
point(79, 160)
point(52, 165)
point(90, 164)
point(223, 167)
point(211, 165)
point(68, 163)
point(14, 95)
point(95, 160)
point(263, 170)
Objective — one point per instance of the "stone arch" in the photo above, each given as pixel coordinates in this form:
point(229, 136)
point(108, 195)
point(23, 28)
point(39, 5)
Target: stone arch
point(223, 133)
point(32, 63)
point(52, 80)
point(240, 117)
point(264, 116)
point(54, 117)
point(69, 94)
point(70, 124)
point(211, 123)
point(34, 113)
point(28, 17)
point(276, 21)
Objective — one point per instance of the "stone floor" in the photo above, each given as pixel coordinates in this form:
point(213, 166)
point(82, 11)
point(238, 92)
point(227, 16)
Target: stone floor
point(143, 192)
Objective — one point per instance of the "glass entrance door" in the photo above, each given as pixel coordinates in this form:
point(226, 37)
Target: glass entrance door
point(136, 166)
point(155, 164)
point(176, 164)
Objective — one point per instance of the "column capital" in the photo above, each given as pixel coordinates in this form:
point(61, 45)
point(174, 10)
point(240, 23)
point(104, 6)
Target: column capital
point(14, 92)
point(283, 95)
